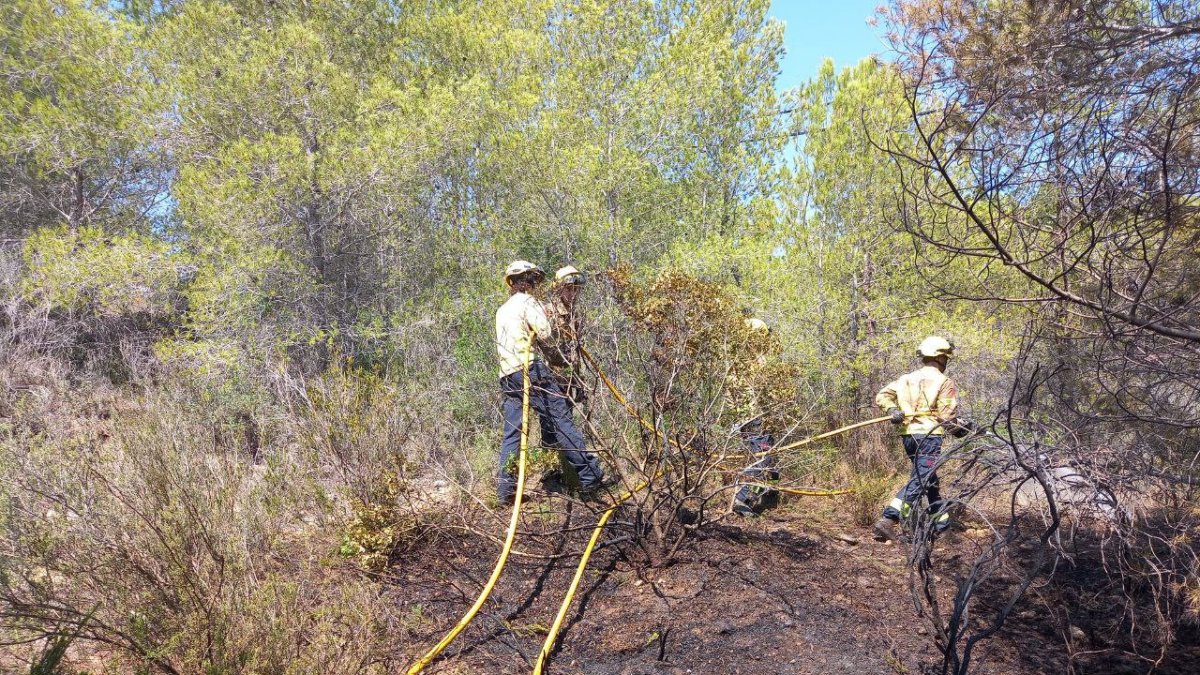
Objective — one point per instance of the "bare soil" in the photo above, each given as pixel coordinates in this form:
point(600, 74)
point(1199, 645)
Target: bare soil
point(784, 593)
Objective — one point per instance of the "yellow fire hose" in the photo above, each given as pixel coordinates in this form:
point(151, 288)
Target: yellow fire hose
point(820, 493)
point(835, 432)
point(612, 388)
point(508, 539)
point(552, 636)
point(810, 493)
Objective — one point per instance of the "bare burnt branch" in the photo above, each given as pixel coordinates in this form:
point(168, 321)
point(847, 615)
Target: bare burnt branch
point(1054, 150)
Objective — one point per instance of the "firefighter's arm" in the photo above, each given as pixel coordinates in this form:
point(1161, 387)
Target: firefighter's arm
point(947, 401)
point(888, 399)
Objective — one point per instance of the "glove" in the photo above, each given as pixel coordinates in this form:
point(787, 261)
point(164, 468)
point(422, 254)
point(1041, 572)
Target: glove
point(962, 428)
point(897, 416)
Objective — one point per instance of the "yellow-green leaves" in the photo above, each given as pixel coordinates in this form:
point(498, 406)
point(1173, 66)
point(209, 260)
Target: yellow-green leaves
point(111, 275)
point(80, 119)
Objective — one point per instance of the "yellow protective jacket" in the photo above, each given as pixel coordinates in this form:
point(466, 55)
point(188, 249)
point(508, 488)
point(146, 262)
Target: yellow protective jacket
point(518, 321)
point(926, 396)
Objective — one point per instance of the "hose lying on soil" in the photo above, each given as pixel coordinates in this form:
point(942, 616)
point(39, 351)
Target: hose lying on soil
point(552, 636)
point(508, 539)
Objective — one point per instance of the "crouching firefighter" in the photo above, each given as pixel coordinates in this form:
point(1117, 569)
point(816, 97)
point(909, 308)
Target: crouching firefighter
point(922, 405)
point(755, 494)
point(520, 321)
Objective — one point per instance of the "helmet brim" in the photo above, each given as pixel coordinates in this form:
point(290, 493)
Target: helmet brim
point(535, 275)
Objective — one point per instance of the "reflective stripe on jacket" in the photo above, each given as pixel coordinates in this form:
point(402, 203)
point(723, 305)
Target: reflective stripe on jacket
point(926, 396)
point(517, 321)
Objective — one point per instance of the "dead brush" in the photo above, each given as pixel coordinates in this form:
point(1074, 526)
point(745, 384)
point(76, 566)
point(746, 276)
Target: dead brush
point(867, 492)
point(357, 427)
point(690, 367)
point(158, 552)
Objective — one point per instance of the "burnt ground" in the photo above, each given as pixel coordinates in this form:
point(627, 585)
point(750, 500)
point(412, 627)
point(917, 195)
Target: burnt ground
point(784, 593)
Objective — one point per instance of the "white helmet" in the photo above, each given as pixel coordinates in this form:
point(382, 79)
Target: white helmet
point(757, 325)
point(519, 267)
point(934, 346)
point(568, 275)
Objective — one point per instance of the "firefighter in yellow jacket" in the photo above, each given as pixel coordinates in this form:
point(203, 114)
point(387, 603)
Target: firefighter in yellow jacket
point(922, 405)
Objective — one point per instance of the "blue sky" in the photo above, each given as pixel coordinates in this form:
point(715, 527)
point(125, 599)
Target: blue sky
point(817, 29)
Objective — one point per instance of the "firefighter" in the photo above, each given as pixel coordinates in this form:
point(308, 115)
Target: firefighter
point(520, 320)
point(754, 493)
point(562, 353)
point(922, 405)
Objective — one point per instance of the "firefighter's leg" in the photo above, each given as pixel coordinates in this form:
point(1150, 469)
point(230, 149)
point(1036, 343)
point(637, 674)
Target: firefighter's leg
point(901, 505)
point(929, 453)
point(554, 414)
point(925, 452)
point(511, 386)
point(755, 495)
point(564, 475)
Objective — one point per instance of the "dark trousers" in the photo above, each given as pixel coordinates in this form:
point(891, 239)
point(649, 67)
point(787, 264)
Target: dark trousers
point(762, 469)
point(923, 452)
point(548, 401)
